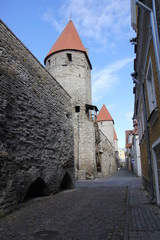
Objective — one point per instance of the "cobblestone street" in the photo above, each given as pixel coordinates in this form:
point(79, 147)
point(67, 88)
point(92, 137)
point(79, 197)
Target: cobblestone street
point(112, 208)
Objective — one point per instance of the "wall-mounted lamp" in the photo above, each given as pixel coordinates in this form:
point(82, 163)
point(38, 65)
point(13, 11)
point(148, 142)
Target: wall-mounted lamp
point(133, 41)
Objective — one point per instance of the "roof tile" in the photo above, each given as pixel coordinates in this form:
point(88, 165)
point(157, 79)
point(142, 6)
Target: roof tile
point(104, 115)
point(68, 40)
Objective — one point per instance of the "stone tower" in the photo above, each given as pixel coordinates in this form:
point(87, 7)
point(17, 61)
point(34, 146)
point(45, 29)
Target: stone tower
point(106, 124)
point(109, 142)
point(69, 63)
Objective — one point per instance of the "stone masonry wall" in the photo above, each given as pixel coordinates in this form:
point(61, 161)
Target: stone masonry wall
point(73, 75)
point(36, 134)
point(108, 156)
point(107, 127)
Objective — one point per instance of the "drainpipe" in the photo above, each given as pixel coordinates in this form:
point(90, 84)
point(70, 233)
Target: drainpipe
point(78, 146)
point(147, 136)
point(154, 32)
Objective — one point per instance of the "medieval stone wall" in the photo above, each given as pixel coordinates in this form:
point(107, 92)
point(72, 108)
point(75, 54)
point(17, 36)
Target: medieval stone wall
point(36, 134)
point(108, 157)
point(87, 148)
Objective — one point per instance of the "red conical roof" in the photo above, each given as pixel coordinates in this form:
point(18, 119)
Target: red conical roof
point(68, 40)
point(104, 115)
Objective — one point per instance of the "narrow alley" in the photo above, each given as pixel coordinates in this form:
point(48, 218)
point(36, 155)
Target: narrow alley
point(115, 207)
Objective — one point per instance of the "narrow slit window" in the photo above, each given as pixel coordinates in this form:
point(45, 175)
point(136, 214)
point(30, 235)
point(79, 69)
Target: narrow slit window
point(69, 56)
point(77, 109)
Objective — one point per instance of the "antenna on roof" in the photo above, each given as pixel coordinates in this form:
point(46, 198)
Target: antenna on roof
point(70, 15)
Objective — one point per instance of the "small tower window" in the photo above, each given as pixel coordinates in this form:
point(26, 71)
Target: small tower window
point(69, 56)
point(77, 109)
point(49, 62)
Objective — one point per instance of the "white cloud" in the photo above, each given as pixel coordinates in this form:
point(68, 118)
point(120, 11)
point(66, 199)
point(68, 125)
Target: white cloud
point(95, 20)
point(106, 79)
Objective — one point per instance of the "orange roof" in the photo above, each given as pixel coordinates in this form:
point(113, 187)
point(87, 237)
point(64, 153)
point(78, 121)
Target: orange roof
point(68, 40)
point(128, 145)
point(104, 115)
point(127, 133)
point(115, 135)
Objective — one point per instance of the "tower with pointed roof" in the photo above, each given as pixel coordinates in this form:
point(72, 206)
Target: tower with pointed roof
point(69, 63)
point(106, 124)
point(108, 142)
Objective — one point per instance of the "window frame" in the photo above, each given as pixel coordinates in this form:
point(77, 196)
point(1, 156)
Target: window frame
point(151, 95)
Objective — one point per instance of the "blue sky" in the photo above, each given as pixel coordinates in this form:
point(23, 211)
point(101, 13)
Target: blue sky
point(105, 29)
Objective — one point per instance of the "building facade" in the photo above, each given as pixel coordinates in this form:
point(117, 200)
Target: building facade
point(122, 157)
point(146, 76)
point(136, 158)
point(128, 146)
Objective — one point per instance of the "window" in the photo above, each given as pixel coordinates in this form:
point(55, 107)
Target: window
point(142, 117)
point(77, 109)
point(150, 88)
point(69, 56)
point(49, 62)
point(141, 128)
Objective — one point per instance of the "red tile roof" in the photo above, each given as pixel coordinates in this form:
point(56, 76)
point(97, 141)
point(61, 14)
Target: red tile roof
point(68, 40)
point(128, 145)
point(104, 115)
point(127, 133)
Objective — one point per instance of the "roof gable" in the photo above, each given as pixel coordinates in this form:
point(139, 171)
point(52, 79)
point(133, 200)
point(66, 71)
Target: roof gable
point(104, 115)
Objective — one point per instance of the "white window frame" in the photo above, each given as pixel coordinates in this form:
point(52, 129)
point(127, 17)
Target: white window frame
point(142, 117)
point(140, 120)
point(150, 87)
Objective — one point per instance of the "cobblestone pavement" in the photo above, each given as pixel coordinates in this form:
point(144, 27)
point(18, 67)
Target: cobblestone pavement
point(144, 217)
point(95, 210)
point(85, 213)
